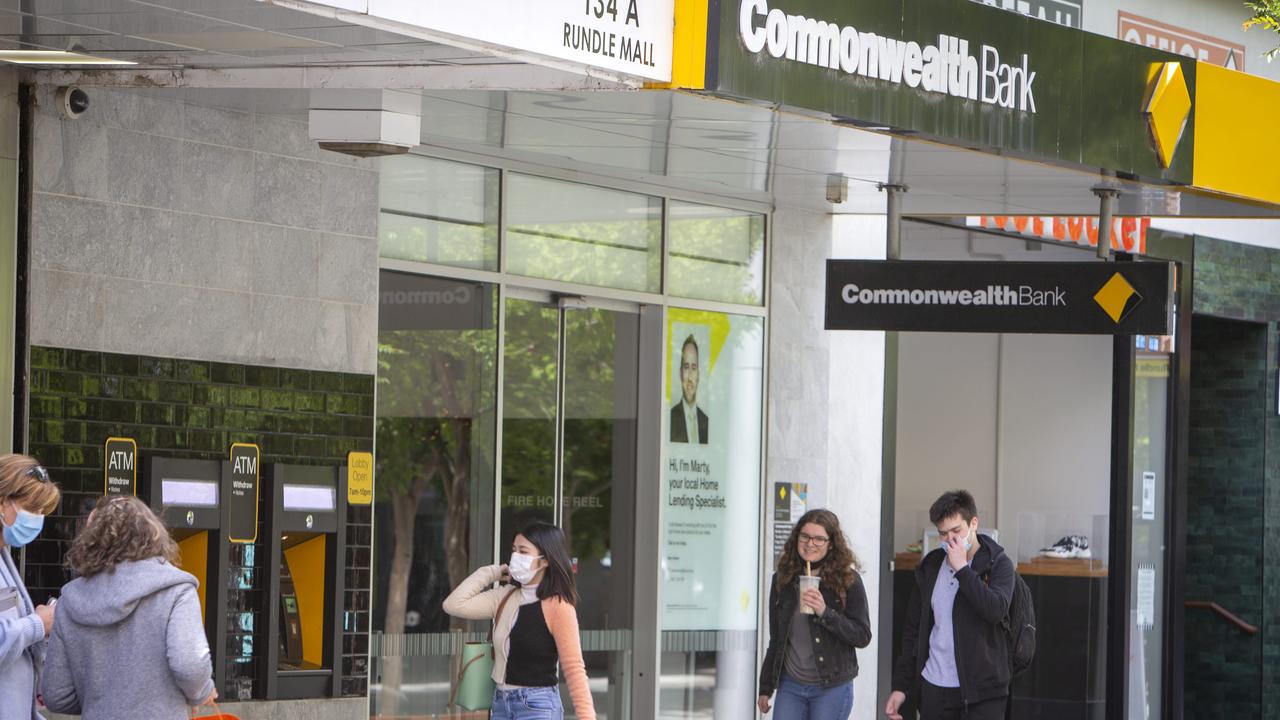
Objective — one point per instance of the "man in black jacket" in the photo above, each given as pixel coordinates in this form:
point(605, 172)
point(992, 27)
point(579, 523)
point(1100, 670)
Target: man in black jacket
point(954, 653)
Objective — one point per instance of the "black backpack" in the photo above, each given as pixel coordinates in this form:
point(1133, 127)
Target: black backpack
point(1020, 627)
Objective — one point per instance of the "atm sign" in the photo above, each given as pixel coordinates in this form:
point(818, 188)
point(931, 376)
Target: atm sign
point(360, 478)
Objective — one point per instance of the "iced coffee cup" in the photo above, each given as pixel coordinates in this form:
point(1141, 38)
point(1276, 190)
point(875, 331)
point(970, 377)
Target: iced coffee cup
point(807, 582)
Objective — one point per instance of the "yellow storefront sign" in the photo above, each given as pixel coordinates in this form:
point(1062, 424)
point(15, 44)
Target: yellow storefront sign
point(360, 478)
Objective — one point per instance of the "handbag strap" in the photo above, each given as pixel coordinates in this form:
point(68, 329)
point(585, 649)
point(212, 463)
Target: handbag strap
point(453, 696)
point(214, 703)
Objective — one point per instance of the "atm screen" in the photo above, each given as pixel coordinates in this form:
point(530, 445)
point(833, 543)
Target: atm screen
point(188, 493)
point(308, 497)
point(290, 604)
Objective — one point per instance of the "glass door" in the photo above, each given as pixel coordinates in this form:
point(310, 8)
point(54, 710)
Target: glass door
point(570, 374)
point(1146, 618)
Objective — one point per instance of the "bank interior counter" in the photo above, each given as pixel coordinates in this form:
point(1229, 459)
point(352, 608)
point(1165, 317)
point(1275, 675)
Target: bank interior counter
point(305, 517)
point(190, 495)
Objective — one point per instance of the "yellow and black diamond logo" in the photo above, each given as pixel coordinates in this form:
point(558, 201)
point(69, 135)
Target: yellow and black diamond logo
point(1117, 298)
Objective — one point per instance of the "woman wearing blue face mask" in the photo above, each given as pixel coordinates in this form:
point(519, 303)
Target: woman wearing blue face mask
point(26, 496)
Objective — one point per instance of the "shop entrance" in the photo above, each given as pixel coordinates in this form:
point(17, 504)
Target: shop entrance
point(1064, 440)
point(569, 390)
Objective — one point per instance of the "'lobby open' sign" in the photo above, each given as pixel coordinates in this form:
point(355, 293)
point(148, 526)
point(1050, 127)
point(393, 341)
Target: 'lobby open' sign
point(1126, 298)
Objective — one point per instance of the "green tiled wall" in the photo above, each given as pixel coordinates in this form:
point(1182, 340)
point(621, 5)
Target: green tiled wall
point(1237, 282)
point(194, 409)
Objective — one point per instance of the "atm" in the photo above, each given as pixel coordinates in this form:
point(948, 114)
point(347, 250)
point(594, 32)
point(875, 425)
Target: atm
point(305, 521)
point(190, 495)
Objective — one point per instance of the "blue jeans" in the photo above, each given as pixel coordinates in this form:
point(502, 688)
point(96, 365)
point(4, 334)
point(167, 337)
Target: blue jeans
point(536, 703)
point(796, 701)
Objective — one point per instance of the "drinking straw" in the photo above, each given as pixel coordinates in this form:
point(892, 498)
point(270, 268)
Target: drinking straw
point(808, 568)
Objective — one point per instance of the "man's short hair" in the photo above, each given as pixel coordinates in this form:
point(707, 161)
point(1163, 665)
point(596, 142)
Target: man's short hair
point(687, 342)
point(954, 502)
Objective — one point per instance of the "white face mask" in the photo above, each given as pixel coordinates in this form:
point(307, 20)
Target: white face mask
point(521, 567)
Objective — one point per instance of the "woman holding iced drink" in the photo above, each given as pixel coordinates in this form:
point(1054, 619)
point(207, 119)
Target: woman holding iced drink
point(817, 619)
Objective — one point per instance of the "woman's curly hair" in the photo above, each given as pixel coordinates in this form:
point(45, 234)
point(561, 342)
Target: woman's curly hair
point(838, 569)
point(120, 529)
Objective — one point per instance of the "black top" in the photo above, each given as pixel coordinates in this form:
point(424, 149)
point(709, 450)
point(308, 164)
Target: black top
point(982, 602)
point(531, 661)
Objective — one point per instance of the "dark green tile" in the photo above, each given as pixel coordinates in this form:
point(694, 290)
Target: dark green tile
point(310, 445)
point(113, 364)
point(326, 381)
point(225, 373)
point(122, 411)
point(309, 401)
point(155, 367)
point(357, 426)
point(358, 384)
point(176, 392)
point(295, 379)
point(243, 397)
point(46, 358)
point(258, 376)
point(46, 406)
point(192, 371)
point(157, 414)
point(277, 399)
point(141, 389)
point(84, 361)
point(65, 383)
point(111, 387)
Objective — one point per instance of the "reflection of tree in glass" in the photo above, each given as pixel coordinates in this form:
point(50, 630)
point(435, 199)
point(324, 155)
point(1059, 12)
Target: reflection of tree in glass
point(435, 392)
point(613, 253)
point(528, 415)
point(718, 257)
point(591, 410)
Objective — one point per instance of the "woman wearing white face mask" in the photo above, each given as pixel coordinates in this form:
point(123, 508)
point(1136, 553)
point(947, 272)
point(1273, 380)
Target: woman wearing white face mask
point(535, 627)
point(26, 496)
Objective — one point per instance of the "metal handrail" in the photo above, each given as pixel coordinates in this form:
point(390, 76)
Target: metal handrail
point(1225, 614)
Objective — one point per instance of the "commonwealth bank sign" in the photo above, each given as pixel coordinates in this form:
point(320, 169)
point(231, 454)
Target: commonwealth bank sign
point(950, 66)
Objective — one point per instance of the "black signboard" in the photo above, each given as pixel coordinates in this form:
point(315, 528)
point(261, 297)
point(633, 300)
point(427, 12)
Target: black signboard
point(120, 467)
point(242, 498)
point(1017, 297)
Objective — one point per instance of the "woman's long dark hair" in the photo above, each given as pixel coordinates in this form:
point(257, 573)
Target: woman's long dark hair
point(557, 579)
point(838, 568)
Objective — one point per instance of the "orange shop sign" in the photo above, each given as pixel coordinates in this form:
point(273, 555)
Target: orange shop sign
point(1171, 38)
point(1128, 234)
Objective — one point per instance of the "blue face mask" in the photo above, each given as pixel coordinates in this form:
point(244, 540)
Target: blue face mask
point(26, 526)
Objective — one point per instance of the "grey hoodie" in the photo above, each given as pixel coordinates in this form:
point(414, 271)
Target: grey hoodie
point(127, 644)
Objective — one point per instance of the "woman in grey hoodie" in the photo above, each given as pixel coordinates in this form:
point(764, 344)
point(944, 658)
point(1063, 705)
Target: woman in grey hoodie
point(127, 641)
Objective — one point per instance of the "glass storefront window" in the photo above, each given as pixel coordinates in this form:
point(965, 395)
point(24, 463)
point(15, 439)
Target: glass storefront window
point(531, 367)
point(710, 522)
point(583, 234)
point(438, 211)
point(715, 254)
point(435, 433)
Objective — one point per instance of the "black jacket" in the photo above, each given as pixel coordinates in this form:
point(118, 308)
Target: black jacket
point(982, 601)
point(843, 627)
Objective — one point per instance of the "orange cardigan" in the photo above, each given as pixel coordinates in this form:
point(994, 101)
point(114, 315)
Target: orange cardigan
point(476, 599)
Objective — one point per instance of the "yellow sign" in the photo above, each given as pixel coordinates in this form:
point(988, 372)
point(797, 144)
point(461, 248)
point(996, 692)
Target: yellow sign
point(360, 478)
point(1117, 298)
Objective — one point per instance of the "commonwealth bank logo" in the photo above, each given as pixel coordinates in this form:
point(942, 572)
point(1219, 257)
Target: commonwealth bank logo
point(1117, 298)
point(1167, 109)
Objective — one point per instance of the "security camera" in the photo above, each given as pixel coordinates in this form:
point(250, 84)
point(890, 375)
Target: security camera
point(73, 101)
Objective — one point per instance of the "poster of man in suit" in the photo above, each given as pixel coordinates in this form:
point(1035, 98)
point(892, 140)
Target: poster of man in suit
point(689, 424)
